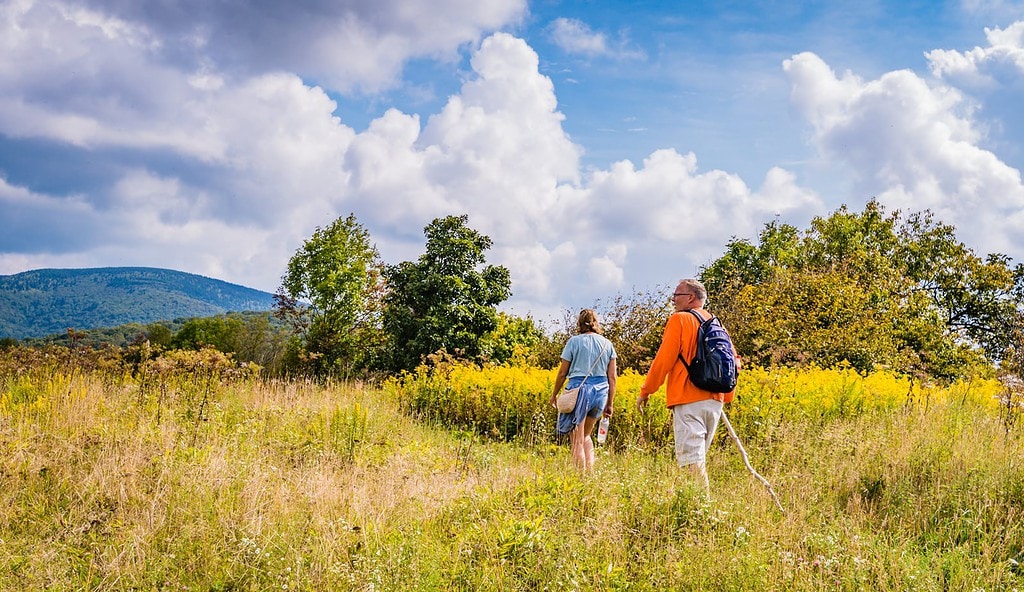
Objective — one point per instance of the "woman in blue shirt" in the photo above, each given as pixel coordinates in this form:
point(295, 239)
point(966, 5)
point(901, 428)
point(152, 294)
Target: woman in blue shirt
point(588, 359)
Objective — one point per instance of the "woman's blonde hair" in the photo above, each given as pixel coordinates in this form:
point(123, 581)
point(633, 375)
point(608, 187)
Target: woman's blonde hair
point(587, 321)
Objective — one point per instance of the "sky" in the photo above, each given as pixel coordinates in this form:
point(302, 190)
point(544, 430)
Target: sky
point(604, 147)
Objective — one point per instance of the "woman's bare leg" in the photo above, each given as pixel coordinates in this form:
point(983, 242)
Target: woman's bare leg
point(576, 446)
point(582, 445)
point(588, 442)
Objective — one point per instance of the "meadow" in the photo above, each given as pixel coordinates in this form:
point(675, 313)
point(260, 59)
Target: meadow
point(190, 472)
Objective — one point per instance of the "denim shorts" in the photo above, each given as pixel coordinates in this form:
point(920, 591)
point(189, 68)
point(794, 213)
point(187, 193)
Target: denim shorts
point(590, 403)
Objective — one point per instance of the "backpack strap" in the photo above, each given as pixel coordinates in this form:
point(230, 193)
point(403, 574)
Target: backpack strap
point(700, 320)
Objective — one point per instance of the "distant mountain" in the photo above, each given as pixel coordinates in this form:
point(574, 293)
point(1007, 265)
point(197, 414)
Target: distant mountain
point(48, 301)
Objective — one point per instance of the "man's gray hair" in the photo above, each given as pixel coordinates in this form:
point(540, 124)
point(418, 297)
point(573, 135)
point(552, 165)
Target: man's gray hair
point(698, 288)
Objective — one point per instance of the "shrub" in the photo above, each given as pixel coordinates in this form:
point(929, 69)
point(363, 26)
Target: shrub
point(508, 403)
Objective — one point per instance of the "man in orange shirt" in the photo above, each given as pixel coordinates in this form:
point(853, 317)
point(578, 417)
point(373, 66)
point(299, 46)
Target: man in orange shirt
point(695, 412)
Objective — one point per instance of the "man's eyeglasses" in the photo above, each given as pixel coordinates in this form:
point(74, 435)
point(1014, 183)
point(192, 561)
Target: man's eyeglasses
point(674, 294)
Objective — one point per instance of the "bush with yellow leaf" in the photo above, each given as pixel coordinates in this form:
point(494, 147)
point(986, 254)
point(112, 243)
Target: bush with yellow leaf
point(510, 403)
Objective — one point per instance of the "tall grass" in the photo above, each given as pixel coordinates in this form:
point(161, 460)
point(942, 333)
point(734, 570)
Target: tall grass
point(110, 481)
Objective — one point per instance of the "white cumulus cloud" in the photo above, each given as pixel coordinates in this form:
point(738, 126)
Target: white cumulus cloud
point(1006, 48)
point(206, 139)
point(915, 146)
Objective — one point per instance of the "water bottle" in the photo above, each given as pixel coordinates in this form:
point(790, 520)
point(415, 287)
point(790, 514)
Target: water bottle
point(602, 430)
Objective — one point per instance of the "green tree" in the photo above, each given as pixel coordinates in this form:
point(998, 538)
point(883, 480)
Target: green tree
point(867, 288)
point(248, 336)
point(159, 334)
point(446, 299)
point(331, 298)
point(221, 333)
point(976, 298)
point(800, 317)
point(514, 341)
point(745, 264)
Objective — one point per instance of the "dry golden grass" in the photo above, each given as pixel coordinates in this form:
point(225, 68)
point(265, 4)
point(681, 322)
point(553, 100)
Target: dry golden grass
point(114, 483)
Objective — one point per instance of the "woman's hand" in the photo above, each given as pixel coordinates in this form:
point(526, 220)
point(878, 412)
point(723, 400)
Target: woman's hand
point(609, 410)
point(553, 401)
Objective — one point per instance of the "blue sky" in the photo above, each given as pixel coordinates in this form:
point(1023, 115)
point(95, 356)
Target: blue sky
point(603, 146)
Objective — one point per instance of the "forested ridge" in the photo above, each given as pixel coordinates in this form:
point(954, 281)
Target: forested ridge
point(50, 301)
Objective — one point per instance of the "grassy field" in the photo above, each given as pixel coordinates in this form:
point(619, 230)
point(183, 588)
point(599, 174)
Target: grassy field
point(209, 479)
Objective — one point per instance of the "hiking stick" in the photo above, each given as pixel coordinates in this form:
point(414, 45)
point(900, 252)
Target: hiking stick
point(746, 461)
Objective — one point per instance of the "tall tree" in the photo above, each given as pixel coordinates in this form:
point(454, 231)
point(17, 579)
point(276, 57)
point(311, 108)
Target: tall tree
point(446, 299)
point(867, 288)
point(976, 298)
point(331, 297)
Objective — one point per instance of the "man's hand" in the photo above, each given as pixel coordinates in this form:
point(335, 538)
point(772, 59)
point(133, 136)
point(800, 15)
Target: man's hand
point(641, 402)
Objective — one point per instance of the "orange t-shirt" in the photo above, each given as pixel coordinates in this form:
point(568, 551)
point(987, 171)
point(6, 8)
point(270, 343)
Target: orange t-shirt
point(680, 337)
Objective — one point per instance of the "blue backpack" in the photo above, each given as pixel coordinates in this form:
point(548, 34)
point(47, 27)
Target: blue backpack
point(713, 368)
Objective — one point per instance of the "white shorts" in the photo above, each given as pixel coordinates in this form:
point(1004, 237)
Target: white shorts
point(694, 425)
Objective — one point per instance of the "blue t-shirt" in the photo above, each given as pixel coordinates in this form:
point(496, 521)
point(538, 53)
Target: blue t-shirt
point(581, 351)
